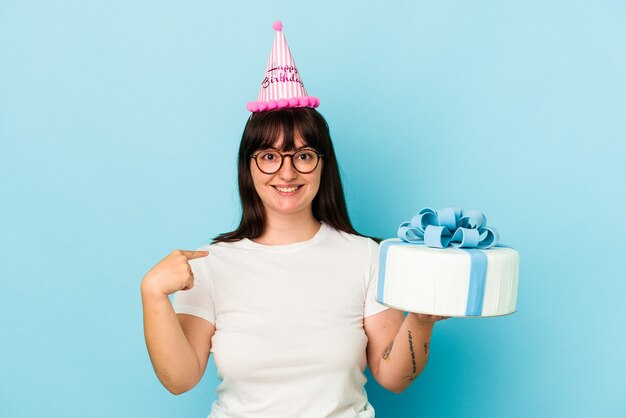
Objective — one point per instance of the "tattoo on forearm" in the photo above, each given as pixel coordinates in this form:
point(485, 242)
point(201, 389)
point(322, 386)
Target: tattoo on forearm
point(412, 353)
point(387, 351)
point(413, 376)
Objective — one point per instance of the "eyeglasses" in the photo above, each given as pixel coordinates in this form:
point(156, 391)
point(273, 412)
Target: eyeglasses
point(270, 161)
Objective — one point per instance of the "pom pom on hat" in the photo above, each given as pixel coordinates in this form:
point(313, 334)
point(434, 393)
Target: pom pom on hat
point(278, 25)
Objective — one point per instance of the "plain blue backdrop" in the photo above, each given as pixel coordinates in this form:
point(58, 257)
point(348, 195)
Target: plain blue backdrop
point(119, 125)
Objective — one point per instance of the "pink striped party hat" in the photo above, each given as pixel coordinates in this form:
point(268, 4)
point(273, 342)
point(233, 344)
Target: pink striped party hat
point(282, 85)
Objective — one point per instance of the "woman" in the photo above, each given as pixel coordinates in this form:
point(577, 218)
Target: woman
point(286, 302)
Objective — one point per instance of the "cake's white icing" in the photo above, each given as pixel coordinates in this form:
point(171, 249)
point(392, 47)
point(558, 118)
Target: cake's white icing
point(436, 281)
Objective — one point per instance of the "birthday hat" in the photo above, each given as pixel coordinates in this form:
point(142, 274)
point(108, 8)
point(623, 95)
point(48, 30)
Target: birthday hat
point(282, 85)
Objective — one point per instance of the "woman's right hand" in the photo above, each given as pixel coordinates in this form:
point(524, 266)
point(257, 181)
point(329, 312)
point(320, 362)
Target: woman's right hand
point(171, 274)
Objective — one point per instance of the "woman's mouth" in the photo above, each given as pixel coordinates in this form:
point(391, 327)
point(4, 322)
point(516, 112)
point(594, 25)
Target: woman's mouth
point(287, 189)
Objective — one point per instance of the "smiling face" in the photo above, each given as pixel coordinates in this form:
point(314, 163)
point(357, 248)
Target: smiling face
point(287, 191)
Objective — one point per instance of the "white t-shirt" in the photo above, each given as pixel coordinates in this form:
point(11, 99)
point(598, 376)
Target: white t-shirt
point(289, 339)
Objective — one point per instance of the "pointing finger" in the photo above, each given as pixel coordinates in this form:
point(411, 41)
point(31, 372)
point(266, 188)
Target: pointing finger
point(194, 254)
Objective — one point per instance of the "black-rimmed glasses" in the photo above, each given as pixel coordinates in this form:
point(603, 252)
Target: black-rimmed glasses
point(270, 161)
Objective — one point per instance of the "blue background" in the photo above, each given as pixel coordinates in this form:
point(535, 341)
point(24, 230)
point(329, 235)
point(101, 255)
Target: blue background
point(119, 124)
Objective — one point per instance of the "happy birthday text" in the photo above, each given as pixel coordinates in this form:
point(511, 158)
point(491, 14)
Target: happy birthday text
point(281, 74)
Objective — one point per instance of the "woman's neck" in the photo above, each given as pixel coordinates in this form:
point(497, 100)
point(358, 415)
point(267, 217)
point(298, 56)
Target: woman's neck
point(284, 229)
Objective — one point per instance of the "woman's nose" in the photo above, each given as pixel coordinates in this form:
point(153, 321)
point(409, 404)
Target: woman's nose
point(287, 171)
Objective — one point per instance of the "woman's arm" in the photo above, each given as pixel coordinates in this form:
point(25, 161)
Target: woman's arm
point(178, 345)
point(398, 346)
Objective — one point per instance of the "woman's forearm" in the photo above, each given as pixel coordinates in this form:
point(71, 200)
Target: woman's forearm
point(173, 358)
point(405, 358)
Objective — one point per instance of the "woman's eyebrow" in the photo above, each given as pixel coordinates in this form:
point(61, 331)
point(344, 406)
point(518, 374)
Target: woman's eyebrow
point(295, 150)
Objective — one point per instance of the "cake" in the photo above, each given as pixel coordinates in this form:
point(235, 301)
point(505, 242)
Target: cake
point(436, 269)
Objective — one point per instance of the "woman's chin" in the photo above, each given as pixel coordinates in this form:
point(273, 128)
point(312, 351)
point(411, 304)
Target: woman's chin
point(286, 208)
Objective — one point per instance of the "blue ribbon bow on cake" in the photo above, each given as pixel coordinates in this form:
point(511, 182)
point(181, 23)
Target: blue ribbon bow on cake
point(449, 226)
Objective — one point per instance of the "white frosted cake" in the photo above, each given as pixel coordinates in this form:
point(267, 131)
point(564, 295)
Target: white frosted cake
point(448, 281)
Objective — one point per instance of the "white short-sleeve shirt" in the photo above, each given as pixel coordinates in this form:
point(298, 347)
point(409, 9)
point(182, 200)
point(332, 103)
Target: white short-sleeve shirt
point(289, 338)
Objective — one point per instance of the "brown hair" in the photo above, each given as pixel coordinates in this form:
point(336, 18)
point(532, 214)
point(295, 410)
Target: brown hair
point(263, 130)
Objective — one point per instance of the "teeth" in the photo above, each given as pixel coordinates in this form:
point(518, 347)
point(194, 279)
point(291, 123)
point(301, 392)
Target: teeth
point(287, 189)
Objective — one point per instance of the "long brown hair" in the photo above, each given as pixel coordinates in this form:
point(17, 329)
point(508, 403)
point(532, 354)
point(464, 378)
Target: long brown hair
point(263, 130)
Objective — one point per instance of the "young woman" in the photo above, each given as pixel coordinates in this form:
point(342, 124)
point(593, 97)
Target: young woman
point(286, 302)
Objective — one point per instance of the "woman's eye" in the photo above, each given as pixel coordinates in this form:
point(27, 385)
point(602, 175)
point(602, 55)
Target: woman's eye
point(268, 156)
point(305, 156)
